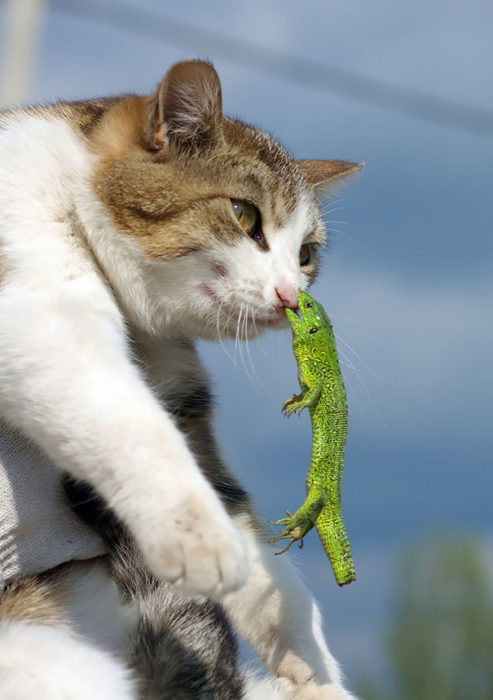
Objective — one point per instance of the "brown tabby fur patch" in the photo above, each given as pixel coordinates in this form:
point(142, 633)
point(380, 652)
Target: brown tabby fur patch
point(32, 600)
point(169, 164)
point(175, 205)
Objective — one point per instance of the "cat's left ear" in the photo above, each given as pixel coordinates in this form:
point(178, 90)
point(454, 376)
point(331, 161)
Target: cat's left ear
point(186, 111)
point(320, 174)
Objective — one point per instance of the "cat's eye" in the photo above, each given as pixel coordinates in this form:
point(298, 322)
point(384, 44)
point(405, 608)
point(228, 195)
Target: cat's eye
point(248, 217)
point(305, 254)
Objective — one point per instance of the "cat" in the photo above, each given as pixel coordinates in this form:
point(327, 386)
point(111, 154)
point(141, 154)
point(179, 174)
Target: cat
point(130, 227)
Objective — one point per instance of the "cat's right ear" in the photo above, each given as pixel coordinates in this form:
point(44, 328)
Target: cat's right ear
point(186, 111)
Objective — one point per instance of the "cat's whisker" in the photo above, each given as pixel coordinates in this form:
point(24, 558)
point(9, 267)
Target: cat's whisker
point(219, 334)
point(372, 403)
point(330, 226)
point(238, 326)
point(344, 223)
point(254, 323)
point(223, 325)
point(347, 362)
point(226, 297)
point(249, 355)
point(328, 212)
point(340, 200)
point(242, 325)
point(231, 310)
point(260, 344)
point(243, 338)
point(245, 323)
point(358, 357)
point(331, 230)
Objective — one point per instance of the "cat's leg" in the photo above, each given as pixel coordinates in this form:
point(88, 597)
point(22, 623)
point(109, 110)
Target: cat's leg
point(68, 381)
point(276, 614)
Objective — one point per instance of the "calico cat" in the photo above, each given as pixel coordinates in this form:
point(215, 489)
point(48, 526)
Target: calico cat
point(129, 227)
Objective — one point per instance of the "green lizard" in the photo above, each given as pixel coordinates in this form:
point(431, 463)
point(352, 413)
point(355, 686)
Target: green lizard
point(323, 393)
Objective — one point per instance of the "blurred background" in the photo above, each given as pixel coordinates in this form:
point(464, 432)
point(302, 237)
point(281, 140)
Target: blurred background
point(407, 280)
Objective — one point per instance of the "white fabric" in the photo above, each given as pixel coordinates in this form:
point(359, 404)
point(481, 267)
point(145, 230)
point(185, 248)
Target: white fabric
point(38, 530)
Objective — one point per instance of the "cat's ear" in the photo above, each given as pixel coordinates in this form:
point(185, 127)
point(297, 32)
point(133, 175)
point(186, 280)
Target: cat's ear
point(186, 111)
point(320, 174)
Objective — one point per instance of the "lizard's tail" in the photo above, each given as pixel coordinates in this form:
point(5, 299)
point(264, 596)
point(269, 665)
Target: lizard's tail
point(332, 533)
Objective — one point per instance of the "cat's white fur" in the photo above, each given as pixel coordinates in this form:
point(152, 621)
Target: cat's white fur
point(37, 661)
point(67, 381)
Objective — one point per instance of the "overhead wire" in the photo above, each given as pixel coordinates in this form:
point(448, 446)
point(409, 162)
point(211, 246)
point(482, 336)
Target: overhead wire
point(283, 65)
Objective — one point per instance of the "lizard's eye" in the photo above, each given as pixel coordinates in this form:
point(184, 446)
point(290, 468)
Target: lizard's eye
point(308, 305)
point(313, 330)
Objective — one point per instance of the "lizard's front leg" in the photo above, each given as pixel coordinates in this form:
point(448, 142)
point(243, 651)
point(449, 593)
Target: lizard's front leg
point(276, 614)
point(309, 397)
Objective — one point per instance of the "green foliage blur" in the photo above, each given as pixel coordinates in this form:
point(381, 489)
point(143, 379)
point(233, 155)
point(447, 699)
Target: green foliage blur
point(440, 642)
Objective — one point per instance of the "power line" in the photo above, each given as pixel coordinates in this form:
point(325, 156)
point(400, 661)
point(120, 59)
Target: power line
point(286, 66)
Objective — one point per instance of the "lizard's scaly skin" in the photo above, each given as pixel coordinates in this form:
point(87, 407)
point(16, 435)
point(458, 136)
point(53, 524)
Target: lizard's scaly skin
point(323, 393)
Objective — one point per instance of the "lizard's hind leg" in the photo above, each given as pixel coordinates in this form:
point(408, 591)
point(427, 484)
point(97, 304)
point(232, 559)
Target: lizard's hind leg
point(296, 526)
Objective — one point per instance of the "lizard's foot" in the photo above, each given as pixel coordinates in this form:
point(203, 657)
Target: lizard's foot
point(291, 537)
point(295, 403)
point(295, 528)
point(282, 521)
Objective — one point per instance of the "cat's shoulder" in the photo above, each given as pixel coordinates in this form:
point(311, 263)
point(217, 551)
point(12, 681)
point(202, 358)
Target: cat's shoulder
point(45, 165)
point(46, 140)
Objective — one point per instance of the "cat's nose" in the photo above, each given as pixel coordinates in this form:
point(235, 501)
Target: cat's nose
point(288, 296)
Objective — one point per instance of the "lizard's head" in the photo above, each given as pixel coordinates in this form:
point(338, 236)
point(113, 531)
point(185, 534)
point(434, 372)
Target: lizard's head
point(310, 323)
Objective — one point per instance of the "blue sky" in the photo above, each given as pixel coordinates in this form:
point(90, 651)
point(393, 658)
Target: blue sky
point(408, 278)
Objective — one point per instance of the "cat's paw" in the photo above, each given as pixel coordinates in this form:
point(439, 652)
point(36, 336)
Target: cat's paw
point(299, 681)
point(195, 546)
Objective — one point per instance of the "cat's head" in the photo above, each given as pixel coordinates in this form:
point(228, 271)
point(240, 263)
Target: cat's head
point(225, 223)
